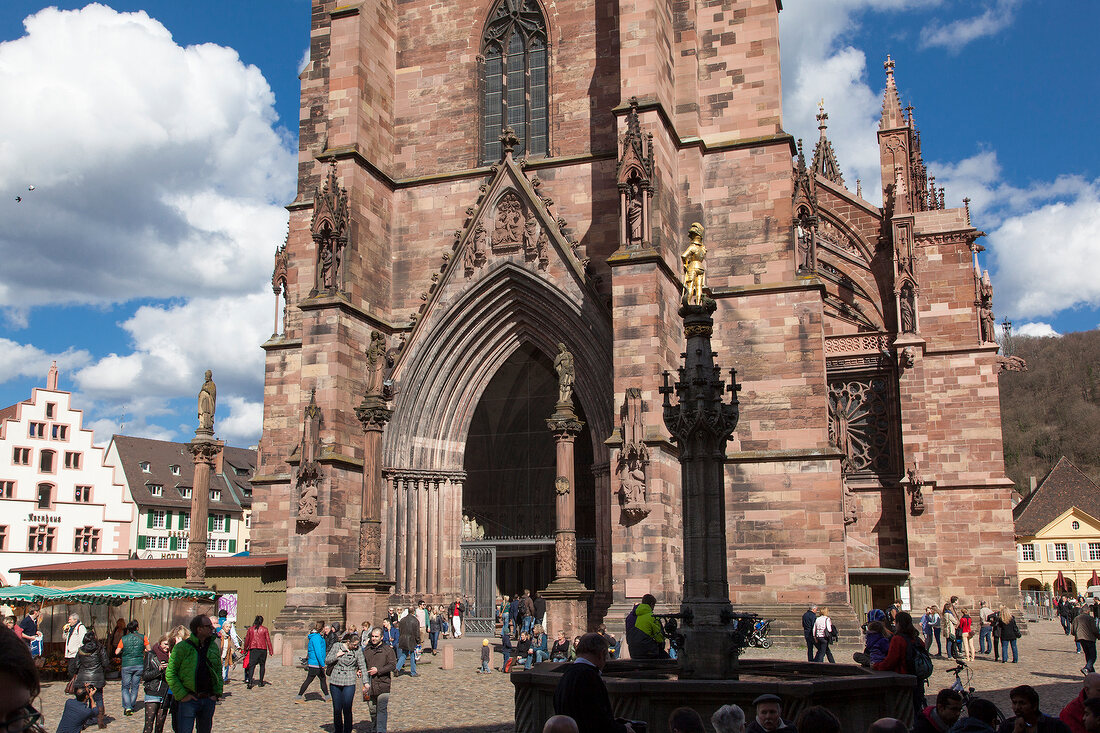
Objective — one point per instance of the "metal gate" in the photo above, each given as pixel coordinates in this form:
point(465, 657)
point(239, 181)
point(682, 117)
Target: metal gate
point(479, 587)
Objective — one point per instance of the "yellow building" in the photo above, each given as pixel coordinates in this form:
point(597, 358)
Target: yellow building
point(1058, 530)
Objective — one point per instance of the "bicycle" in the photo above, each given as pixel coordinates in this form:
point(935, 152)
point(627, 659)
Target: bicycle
point(967, 690)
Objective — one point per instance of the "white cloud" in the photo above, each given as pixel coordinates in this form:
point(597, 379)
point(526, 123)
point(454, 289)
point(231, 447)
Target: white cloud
point(304, 61)
point(25, 360)
point(1037, 330)
point(953, 36)
point(172, 346)
point(158, 170)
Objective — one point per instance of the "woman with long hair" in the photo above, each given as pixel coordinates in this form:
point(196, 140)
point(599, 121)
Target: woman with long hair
point(823, 632)
point(966, 628)
point(156, 687)
point(435, 626)
point(348, 667)
point(905, 633)
point(257, 645)
point(1010, 632)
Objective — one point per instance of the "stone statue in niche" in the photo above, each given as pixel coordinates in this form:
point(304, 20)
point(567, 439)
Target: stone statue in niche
point(851, 506)
point(510, 222)
point(379, 361)
point(916, 496)
point(310, 474)
point(908, 309)
point(563, 365)
point(804, 236)
point(634, 228)
point(328, 263)
point(329, 227)
point(474, 257)
point(633, 459)
point(542, 250)
point(530, 238)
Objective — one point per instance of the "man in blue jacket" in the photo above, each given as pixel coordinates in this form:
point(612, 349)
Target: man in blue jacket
point(808, 620)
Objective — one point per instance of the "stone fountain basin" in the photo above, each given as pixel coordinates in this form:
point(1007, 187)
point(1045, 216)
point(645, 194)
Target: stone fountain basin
point(649, 691)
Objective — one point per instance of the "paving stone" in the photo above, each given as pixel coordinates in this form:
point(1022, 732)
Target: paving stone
point(460, 699)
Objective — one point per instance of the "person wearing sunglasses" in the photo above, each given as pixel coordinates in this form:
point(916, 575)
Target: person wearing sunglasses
point(18, 686)
point(194, 674)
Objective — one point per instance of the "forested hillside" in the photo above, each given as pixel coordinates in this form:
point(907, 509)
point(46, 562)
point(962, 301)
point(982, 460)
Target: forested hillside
point(1052, 409)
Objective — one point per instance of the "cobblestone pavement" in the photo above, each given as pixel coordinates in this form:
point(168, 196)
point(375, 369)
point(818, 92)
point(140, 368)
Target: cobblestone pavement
point(460, 700)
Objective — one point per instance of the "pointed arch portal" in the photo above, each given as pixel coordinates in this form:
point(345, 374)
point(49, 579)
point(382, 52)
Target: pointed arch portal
point(469, 434)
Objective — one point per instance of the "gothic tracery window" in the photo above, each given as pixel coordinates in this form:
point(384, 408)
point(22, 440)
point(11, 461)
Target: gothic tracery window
point(514, 89)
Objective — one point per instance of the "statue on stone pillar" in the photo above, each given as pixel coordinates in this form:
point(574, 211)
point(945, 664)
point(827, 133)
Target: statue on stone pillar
point(633, 459)
point(985, 309)
point(379, 361)
point(208, 399)
point(695, 270)
point(907, 308)
point(563, 364)
point(310, 474)
point(634, 232)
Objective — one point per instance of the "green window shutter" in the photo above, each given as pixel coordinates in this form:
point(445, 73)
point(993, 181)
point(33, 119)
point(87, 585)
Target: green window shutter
point(229, 526)
point(232, 546)
point(141, 542)
point(149, 519)
point(168, 519)
point(173, 543)
point(210, 523)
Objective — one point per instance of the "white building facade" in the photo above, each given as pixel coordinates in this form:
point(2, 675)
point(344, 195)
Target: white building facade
point(59, 500)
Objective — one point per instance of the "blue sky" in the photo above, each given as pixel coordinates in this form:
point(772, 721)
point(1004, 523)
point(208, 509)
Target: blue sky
point(161, 139)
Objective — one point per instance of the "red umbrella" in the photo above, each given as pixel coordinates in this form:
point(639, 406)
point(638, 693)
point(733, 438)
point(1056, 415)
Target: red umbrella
point(1060, 583)
point(1094, 580)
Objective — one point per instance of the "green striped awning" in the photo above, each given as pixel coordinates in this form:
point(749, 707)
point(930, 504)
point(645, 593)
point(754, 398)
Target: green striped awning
point(130, 590)
point(27, 593)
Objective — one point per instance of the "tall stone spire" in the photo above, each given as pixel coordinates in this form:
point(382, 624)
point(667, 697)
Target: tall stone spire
point(825, 164)
point(892, 115)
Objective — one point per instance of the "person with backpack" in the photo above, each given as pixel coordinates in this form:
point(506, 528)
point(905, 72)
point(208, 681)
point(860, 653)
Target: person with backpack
point(1010, 632)
point(907, 655)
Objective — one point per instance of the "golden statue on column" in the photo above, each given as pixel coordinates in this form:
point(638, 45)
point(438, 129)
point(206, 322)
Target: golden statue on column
point(695, 270)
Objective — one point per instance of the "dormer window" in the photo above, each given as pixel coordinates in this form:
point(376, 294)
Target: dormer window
point(185, 492)
point(174, 469)
point(215, 495)
point(156, 489)
point(144, 466)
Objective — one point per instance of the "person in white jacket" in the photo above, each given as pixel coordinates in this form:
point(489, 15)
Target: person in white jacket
point(74, 638)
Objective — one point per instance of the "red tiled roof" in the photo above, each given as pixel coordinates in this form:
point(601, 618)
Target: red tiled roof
point(1064, 487)
point(261, 561)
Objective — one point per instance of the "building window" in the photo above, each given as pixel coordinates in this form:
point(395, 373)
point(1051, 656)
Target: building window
point(183, 543)
point(37, 430)
point(59, 432)
point(7, 489)
point(157, 519)
point(185, 521)
point(51, 410)
point(514, 89)
point(3, 538)
point(185, 492)
point(1094, 551)
point(215, 495)
point(217, 545)
point(82, 494)
point(45, 496)
point(21, 456)
point(248, 520)
point(156, 489)
point(246, 545)
point(174, 469)
point(72, 460)
point(157, 543)
point(40, 538)
point(217, 522)
point(45, 461)
point(1061, 551)
point(1027, 553)
point(144, 466)
point(1075, 524)
point(86, 540)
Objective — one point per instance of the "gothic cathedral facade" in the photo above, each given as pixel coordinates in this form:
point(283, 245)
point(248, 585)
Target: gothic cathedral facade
point(483, 181)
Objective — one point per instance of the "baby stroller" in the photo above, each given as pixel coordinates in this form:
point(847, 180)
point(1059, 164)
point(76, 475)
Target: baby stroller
point(758, 637)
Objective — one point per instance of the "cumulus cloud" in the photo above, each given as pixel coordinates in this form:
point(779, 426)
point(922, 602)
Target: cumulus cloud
point(158, 168)
point(26, 360)
point(953, 36)
point(1037, 330)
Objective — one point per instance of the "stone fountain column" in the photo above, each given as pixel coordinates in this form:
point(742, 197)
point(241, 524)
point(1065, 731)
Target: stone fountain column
point(368, 587)
point(701, 424)
point(204, 451)
point(566, 597)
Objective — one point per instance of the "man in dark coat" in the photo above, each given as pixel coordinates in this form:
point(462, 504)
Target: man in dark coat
point(409, 636)
point(540, 610)
point(768, 716)
point(581, 693)
point(808, 620)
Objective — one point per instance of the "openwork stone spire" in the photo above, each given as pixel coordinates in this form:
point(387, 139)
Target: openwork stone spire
point(825, 164)
point(892, 115)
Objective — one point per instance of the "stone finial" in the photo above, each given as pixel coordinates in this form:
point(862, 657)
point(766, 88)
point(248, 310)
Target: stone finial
point(508, 141)
point(822, 117)
point(51, 376)
point(892, 116)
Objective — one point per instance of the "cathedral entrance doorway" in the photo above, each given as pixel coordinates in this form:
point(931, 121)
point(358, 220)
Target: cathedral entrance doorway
point(508, 496)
